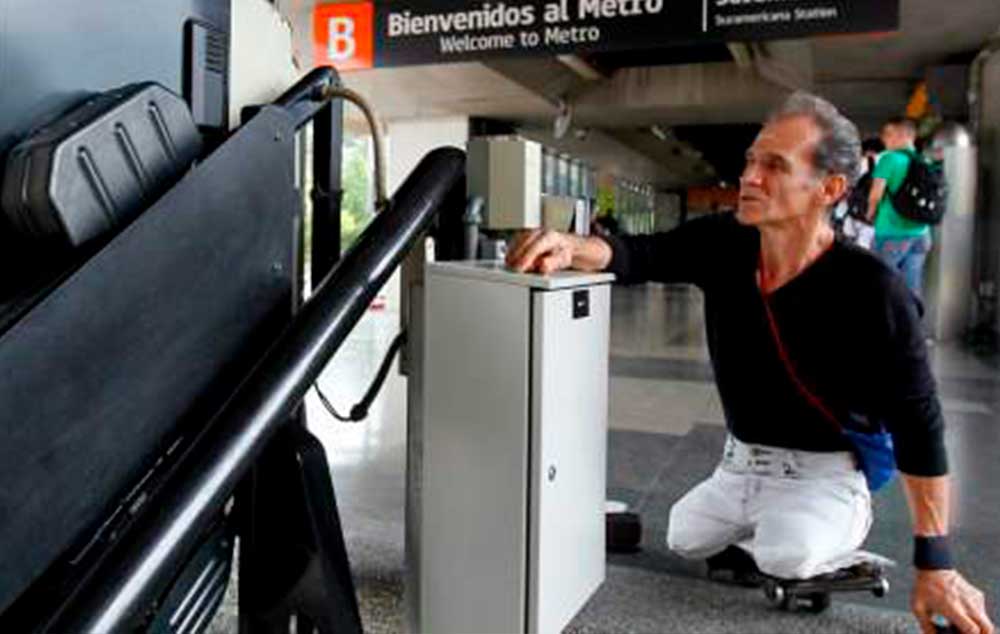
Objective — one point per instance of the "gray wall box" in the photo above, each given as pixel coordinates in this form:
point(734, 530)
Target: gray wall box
point(514, 448)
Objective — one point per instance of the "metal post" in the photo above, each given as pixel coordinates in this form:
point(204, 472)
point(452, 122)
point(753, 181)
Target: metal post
point(327, 193)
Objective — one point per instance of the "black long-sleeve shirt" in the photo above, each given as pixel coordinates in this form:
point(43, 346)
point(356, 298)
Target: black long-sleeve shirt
point(848, 323)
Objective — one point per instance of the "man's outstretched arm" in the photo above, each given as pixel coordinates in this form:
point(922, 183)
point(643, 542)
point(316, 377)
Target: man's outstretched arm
point(939, 588)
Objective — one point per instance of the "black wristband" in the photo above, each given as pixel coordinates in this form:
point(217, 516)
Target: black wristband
point(932, 553)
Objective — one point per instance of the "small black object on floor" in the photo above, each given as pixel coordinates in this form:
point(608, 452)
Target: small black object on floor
point(623, 532)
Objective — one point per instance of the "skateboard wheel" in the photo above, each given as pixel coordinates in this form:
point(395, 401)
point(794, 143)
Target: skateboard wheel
point(775, 594)
point(882, 589)
point(818, 602)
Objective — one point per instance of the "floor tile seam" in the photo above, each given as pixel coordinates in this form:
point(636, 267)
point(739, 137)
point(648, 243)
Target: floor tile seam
point(647, 355)
point(699, 383)
point(962, 405)
point(647, 492)
point(662, 379)
point(990, 381)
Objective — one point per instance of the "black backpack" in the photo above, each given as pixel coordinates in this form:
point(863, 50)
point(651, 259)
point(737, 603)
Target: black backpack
point(923, 195)
point(857, 200)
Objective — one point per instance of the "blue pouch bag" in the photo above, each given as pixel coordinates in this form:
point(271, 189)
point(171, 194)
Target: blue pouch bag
point(874, 452)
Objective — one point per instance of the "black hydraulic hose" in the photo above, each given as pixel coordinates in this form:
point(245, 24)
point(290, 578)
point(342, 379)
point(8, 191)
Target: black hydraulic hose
point(136, 569)
point(360, 411)
point(312, 92)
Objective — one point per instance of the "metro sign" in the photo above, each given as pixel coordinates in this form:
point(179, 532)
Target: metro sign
point(362, 34)
point(344, 35)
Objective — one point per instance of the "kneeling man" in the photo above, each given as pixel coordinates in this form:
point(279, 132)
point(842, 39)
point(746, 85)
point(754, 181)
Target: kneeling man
point(806, 336)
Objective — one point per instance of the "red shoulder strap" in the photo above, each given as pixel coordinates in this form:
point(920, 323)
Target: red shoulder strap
point(783, 353)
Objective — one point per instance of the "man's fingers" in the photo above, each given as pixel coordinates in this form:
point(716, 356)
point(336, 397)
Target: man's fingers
point(952, 598)
point(964, 624)
point(924, 619)
point(985, 625)
point(552, 262)
point(527, 252)
point(970, 611)
point(542, 245)
point(521, 243)
point(983, 622)
point(978, 614)
point(956, 614)
point(546, 265)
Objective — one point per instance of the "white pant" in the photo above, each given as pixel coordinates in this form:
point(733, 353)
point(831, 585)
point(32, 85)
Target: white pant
point(797, 512)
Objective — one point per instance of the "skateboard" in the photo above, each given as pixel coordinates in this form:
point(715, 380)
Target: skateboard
point(813, 595)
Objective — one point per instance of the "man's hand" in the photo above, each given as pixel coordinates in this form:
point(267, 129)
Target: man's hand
point(948, 594)
point(545, 251)
point(541, 250)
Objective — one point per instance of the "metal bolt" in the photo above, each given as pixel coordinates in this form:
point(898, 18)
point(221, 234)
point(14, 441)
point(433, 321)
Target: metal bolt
point(552, 473)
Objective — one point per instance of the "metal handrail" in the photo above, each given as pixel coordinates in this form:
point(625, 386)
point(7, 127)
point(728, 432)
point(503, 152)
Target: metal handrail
point(139, 566)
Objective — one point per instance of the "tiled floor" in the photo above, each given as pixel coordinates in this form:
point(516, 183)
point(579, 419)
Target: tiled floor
point(667, 427)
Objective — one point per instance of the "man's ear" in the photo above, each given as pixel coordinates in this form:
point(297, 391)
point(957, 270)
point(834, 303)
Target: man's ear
point(834, 188)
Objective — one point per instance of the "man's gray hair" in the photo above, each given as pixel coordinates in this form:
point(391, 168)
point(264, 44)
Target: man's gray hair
point(839, 149)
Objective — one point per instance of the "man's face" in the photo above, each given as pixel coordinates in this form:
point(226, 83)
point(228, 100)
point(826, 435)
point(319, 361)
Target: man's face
point(894, 137)
point(888, 136)
point(779, 182)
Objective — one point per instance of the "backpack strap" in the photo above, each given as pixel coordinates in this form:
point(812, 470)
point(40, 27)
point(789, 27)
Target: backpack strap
point(913, 156)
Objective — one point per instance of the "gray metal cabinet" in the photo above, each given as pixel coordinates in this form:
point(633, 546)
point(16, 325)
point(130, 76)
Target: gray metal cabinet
point(513, 448)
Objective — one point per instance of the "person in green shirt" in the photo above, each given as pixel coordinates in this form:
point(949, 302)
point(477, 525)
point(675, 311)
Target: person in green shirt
point(902, 243)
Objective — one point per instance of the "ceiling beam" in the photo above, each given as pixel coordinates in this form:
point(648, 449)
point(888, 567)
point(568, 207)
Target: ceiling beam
point(693, 93)
point(788, 64)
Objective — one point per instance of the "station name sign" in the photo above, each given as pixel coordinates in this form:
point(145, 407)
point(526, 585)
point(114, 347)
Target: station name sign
point(354, 35)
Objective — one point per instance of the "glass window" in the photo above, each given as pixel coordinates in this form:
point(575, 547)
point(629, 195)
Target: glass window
point(574, 179)
point(562, 187)
point(549, 172)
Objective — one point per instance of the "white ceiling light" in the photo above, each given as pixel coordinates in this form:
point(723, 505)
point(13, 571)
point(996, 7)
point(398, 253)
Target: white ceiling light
point(659, 132)
point(581, 67)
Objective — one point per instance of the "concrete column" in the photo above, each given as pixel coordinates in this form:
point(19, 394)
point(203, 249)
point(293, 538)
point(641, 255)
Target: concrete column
point(261, 66)
point(410, 139)
point(989, 153)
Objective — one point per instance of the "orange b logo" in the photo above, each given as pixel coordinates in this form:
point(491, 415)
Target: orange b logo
point(344, 35)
